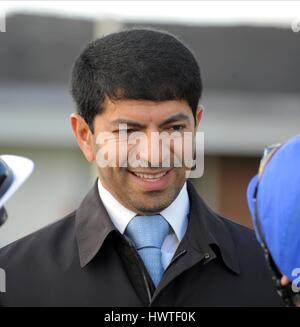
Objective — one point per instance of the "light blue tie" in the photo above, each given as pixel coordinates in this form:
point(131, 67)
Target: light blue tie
point(148, 234)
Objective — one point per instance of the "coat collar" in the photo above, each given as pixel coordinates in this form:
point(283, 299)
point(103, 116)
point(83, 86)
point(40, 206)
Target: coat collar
point(92, 225)
point(205, 228)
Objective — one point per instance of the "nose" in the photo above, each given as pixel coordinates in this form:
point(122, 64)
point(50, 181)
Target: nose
point(154, 150)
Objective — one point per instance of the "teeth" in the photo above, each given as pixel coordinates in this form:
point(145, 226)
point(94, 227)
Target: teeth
point(152, 177)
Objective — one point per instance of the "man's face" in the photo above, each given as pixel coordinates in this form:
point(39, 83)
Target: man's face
point(151, 186)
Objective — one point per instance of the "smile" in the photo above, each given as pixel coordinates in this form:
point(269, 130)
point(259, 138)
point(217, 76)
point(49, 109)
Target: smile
point(152, 181)
point(151, 177)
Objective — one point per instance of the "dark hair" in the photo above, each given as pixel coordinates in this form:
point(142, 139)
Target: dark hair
point(137, 63)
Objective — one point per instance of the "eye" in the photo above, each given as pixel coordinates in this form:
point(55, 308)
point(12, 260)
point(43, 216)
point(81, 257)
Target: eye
point(177, 127)
point(131, 130)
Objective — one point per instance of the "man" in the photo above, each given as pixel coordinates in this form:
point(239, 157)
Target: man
point(142, 236)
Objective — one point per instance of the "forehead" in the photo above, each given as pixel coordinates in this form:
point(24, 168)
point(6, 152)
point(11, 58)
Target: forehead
point(145, 110)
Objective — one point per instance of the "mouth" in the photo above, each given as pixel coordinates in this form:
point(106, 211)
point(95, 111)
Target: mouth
point(151, 181)
point(150, 177)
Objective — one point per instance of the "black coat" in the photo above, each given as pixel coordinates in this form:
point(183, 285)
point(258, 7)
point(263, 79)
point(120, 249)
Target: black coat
point(82, 260)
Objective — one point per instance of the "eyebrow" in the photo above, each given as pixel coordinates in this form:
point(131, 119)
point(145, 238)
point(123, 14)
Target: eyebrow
point(133, 123)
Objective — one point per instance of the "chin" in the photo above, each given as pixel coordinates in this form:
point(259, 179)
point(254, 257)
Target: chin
point(154, 207)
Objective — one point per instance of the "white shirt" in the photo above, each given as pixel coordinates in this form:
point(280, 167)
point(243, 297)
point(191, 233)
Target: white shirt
point(176, 215)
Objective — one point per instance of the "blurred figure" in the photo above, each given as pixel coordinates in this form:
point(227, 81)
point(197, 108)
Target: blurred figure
point(14, 170)
point(274, 201)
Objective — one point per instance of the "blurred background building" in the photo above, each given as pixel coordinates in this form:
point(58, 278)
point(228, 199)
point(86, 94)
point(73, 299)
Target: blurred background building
point(251, 98)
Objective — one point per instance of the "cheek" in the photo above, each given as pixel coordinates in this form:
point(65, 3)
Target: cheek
point(110, 152)
point(185, 152)
point(115, 176)
point(180, 151)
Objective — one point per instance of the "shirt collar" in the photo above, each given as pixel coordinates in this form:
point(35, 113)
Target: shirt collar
point(205, 228)
point(119, 214)
point(175, 214)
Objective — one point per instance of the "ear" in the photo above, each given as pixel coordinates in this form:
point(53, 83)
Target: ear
point(199, 113)
point(83, 135)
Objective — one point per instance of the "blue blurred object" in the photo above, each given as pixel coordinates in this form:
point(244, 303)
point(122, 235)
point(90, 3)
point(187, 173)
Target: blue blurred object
point(278, 205)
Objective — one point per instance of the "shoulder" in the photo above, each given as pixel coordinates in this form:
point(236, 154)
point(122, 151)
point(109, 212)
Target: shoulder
point(243, 237)
point(249, 250)
point(238, 232)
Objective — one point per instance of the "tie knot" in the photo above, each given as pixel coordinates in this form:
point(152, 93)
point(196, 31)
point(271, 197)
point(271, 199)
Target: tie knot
point(148, 231)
